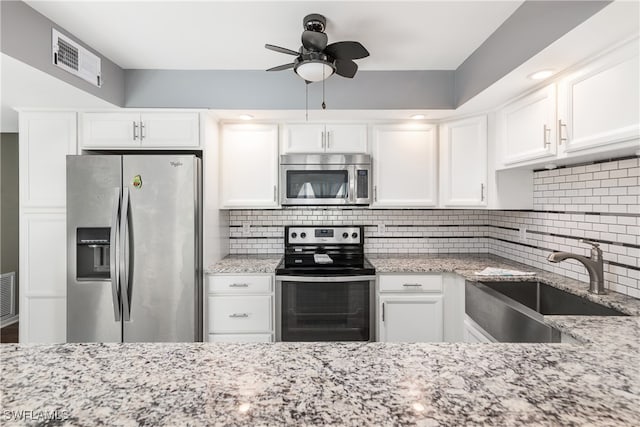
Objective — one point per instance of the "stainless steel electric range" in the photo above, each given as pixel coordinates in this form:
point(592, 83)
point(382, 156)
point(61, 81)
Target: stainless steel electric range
point(325, 286)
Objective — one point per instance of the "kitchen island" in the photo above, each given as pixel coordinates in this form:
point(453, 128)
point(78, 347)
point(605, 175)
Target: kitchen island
point(595, 383)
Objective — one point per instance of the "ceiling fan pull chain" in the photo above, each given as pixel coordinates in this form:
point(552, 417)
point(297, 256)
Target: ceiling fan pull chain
point(306, 101)
point(324, 106)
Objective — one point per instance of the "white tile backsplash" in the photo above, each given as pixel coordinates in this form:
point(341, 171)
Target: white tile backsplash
point(599, 201)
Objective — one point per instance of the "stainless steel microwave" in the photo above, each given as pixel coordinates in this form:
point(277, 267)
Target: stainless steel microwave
point(325, 179)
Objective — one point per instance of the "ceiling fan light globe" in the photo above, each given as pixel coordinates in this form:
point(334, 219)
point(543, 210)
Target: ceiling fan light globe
point(314, 71)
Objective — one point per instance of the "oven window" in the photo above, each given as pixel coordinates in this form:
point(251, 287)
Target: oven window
point(325, 311)
point(318, 184)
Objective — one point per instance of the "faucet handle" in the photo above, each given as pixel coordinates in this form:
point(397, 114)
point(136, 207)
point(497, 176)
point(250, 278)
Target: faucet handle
point(589, 242)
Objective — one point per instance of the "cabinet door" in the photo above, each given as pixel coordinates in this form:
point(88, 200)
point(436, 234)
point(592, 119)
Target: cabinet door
point(240, 338)
point(346, 138)
point(600, 103)
point(303, 138)
point(169, 130)
point(463, 162)
point(404, 166)
point(249, 166)
point(43, 277)
point(45, 141)
point(110, 130)
point(411, 318)
point(528, 127)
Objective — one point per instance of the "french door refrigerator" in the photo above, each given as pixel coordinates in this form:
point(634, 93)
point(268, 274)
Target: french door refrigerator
point(133, 248)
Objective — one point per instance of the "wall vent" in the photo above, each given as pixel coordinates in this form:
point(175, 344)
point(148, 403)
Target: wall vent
point(7, 298)
point(72, 57)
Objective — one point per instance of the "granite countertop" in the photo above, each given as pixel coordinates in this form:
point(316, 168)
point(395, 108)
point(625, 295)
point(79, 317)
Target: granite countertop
point(241, 264)
point(322, 384)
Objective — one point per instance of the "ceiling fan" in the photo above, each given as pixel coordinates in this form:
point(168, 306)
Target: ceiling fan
point(315, 60)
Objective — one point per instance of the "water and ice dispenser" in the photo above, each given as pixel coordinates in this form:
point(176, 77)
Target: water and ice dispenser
point(93, 247)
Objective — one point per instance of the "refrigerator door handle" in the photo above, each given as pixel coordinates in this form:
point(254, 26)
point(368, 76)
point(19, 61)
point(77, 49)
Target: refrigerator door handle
point(113, 255)
point(124, 256)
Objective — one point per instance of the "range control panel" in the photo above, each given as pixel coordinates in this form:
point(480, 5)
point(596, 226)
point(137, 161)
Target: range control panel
point(312, 235)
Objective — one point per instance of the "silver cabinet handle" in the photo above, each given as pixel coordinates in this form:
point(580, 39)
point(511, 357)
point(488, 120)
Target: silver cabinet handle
point(547, 131)
point(239, 285)
point(560, 126)
point(322, 139)
point(135, 131)
point(113, 264)
point(328, 139)
point(142, 127)
point(375, 193)
point(239, 315)
point(412, 285)
point(482, 192)
point(383, 312)
point(275, 193)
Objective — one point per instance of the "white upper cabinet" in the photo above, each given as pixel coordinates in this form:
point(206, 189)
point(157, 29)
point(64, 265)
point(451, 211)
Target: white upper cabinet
point(249, 166)
point(345, 138)
point(404, 166)
point(45, 141)
point(600, 103)
point(527, 127)
point(139, 130)
point(463, 162)
point(169, 130)
point(321, 138)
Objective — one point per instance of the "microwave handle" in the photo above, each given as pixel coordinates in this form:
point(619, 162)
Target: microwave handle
point(352, 183)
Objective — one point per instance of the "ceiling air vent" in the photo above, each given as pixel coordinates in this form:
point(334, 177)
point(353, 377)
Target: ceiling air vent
point(72, 57)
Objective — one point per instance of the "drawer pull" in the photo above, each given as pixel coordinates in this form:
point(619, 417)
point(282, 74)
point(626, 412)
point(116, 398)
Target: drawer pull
point(239, 285)
point(239, 315)
point(412, 285)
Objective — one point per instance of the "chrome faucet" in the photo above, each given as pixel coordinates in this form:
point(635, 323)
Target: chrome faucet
point(593, 265)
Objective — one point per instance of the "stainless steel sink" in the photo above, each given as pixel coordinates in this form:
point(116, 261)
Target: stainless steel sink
point(513, 311)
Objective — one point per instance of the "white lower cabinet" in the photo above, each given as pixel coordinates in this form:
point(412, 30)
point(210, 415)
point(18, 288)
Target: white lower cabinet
point(474, 334)
point(410, 308)
point(240, 308)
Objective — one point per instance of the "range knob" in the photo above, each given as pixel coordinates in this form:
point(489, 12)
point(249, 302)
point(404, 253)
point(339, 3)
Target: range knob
point(345, 235)
point(303, 235)
point(294, 235)
point(354, 235)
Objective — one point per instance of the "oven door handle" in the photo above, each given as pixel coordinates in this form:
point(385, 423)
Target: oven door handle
point(316, 279)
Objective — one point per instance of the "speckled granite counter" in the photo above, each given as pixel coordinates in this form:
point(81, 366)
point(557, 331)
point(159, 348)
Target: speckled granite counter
point(322, 384)
point(239, 264)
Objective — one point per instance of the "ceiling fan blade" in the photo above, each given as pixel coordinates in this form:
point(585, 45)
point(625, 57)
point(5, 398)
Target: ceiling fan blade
point(346, 68)
point(347, 50)
point(282, 67)
point(313, 40)
point(281, 49)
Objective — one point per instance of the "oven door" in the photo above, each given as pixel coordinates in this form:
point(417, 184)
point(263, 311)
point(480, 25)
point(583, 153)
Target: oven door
point(336, 308)
point(315, 184)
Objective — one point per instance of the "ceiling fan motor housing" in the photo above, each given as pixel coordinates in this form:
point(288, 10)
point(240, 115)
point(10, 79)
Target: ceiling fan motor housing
point(314, 22)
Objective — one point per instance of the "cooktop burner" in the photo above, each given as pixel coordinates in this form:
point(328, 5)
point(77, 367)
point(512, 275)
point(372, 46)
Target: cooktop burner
point(323, 251)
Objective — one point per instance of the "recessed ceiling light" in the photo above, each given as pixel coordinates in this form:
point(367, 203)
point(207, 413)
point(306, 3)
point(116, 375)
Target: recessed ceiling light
point(417, 116)
point(550, 166)
point(541, 75)
point(245, 116)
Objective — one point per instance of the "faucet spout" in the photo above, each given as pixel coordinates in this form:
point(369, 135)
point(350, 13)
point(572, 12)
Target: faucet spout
point(593, 264)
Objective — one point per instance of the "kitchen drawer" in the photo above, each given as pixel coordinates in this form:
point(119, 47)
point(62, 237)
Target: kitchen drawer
point(240, 338)
point(410, 283)
point(239, 284)
point(230, 314)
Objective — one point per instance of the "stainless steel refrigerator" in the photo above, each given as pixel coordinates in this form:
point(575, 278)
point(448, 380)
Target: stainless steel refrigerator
point(133, 248)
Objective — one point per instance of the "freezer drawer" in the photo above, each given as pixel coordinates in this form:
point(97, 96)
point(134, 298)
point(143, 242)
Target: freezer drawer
point(231, 314)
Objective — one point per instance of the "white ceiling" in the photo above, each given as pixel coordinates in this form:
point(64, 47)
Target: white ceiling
point(413, 35)
point(22, 86)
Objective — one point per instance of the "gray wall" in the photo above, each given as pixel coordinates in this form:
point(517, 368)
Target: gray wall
point(531, 28)
point(9, 203)
point(26, 36)
point(243, 89)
